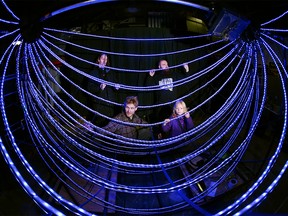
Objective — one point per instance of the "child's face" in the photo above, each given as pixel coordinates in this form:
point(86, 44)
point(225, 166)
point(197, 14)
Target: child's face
point(179, 109)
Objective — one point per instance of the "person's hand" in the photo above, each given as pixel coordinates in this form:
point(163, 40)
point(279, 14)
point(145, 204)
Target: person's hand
point(187, 114)
point(151, 73)
point(117, 86)
point(159, 136)
point(102, 86)
point(186, 67)
point(166, 121)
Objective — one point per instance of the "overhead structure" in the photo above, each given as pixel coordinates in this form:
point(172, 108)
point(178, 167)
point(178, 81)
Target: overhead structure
point(229, 25)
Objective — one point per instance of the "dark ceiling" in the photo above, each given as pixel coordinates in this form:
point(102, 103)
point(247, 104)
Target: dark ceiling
point(31, 10)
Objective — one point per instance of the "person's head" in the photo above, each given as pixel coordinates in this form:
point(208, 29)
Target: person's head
point(103, 60)
point(179, 108)
point(130, 105)
point(163, 64)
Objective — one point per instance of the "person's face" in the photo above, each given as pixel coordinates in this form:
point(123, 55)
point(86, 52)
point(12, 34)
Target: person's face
point(163, 65)
point(102, 61)
point(179, 109)
point(130, 109)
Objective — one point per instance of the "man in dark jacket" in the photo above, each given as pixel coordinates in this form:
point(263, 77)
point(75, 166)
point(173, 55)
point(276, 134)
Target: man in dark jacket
point(102, 90)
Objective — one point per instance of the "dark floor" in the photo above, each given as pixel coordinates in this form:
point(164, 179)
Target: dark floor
point(14, 201)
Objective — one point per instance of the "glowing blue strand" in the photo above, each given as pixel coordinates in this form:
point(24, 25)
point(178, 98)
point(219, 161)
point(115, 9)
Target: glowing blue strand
point(238, 201)
point(128, 39)
point(206, 126)
point(181, 194)
point(224, 175)
point(122, 86)
point(189, 4)
point(8, 48)
point(199, 177)
point(212, 161)
point(62, 89)
point(128, 54)
point(65, 174)
point(35, 131)
point(58, 135)
point(207, 173)
point(206, 84)
point(72, 141)
point(7, 157)
point(264, 194)
point(233, 113)
point(72, 126)
point(275, 19)
point(274, 30)
point(34, 93)
point(232, 119)
point(89, 2)
point(271, 162)
point(205, 71)
point(60, 140)
point(83, 105)
point(10, 33)
point(279, 43)
point(157, 105)
point(24, 184)
point(220, 88)
point(273, 159)
point(237, 132)
point(43, 183)
point(13, 168)
point(74, 6)
point(11, 12)
point(66, 105)
point(86, 107)
point(211, 67)
point(146, 70)
point(9, 22)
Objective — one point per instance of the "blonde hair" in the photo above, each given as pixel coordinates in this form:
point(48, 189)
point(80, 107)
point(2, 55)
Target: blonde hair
point(182, 103)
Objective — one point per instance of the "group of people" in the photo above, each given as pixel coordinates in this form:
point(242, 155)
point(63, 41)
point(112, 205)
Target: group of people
point(176, 119)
